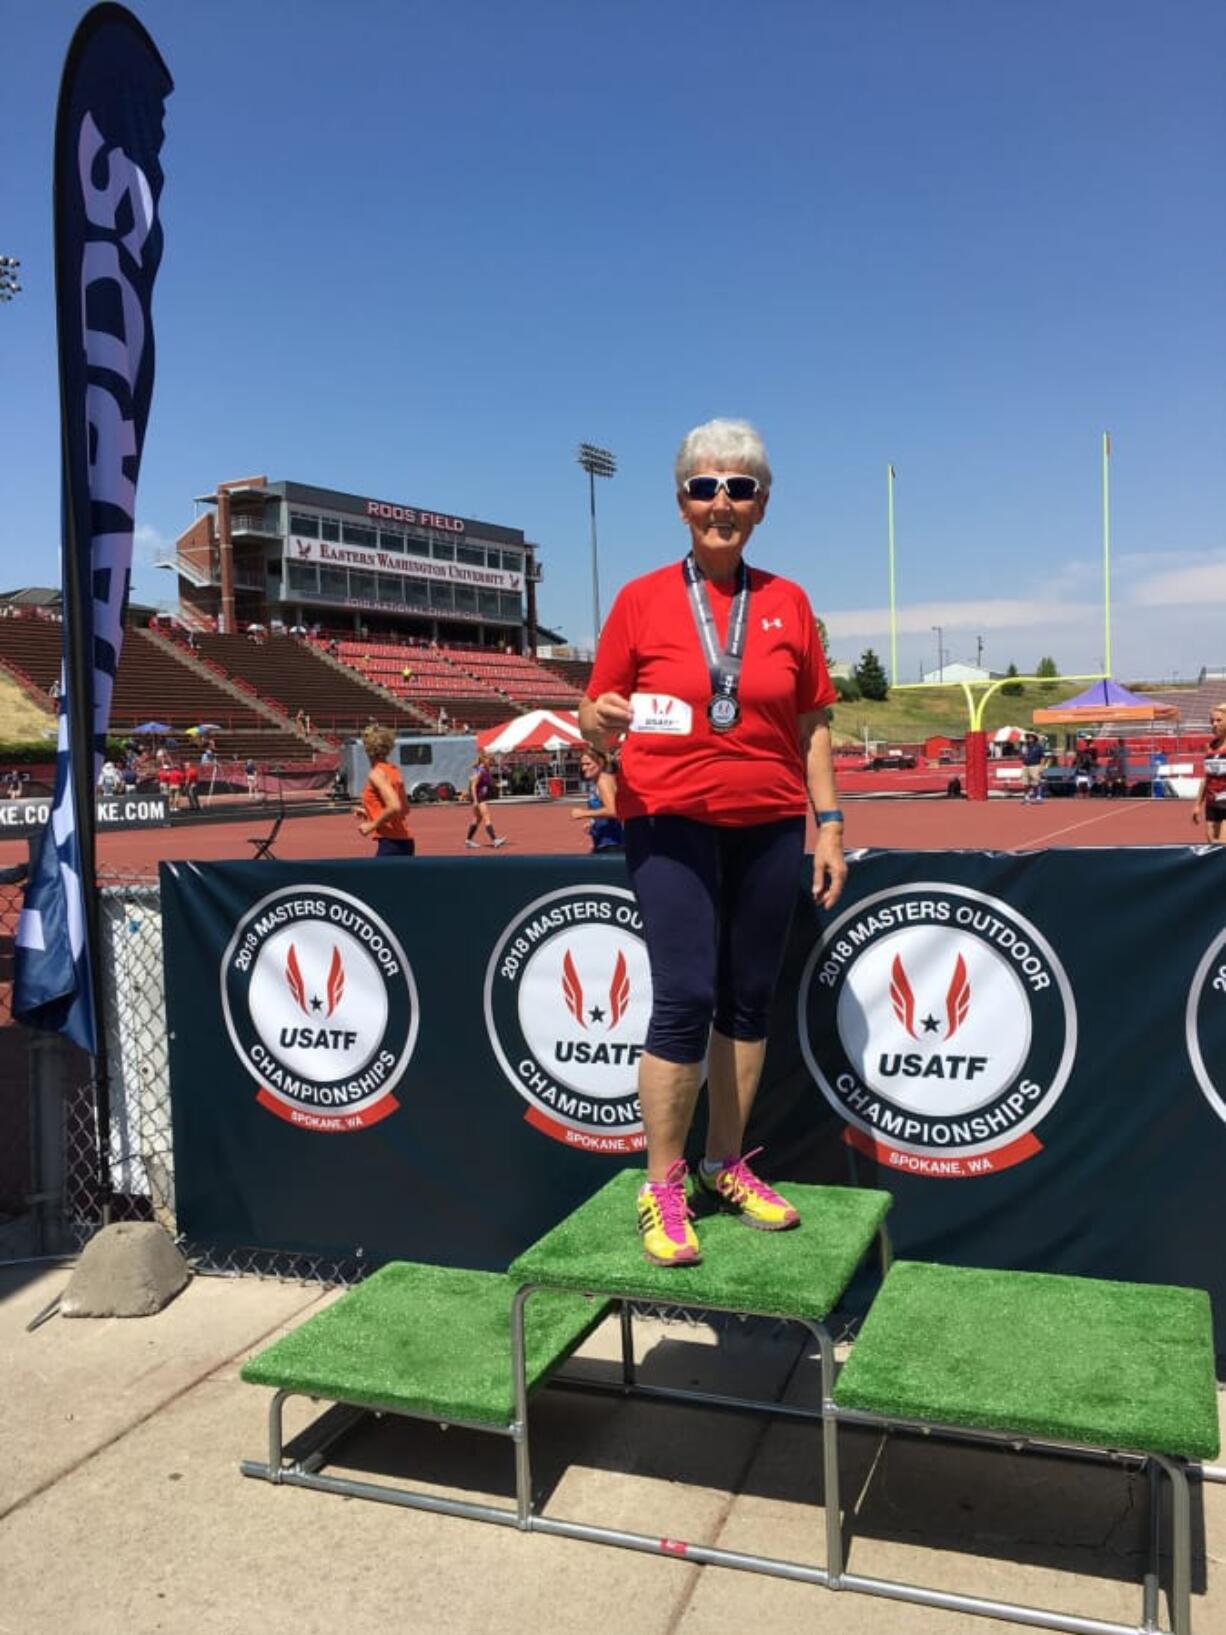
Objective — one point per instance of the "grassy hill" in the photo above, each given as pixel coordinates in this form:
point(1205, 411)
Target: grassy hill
point(907, 717)
point(22, 721)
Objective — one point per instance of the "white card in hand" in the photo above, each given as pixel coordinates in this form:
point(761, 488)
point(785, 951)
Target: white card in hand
point(660, 712)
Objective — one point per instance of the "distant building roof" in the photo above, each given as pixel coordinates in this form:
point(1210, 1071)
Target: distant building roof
point(957, 671)
point(32, 596)
point(45, 596)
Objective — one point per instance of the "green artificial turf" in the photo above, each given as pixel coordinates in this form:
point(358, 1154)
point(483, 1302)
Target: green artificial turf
point(425, 1340)
point(1126, 1366)
point(798, 1273)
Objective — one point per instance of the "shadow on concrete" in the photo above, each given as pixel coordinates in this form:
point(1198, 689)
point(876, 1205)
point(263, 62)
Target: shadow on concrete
point(1032, 1509)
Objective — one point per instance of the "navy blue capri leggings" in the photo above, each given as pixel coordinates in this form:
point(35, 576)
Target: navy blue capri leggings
point(716, 904)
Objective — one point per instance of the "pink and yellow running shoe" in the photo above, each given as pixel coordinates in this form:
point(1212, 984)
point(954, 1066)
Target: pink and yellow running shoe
point(736, 1188)
point(663, 1218)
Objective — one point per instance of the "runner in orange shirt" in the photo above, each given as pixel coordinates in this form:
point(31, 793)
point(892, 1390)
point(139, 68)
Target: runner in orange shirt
point(384, 807)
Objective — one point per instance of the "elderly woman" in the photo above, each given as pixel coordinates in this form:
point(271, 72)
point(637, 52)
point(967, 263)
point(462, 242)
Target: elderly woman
point(715, 673)
point(384, 807)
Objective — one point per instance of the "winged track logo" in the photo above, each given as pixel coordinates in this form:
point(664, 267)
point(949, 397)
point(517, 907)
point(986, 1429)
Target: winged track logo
point(940, 1025)
point(321, 1007)
point(1206, 1024)
point(567, 1002)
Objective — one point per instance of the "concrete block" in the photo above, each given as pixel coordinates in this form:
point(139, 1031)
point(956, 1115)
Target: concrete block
point(130, 1269)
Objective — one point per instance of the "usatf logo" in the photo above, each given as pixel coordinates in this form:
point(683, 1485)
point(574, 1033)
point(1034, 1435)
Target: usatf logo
point(941, 1026)
point(321, 1007)
point(1206, 1024)
point(567, 1002)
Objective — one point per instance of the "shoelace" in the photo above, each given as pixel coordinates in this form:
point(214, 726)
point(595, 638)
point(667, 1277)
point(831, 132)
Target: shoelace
point(744, 1180)
point(669, 1194)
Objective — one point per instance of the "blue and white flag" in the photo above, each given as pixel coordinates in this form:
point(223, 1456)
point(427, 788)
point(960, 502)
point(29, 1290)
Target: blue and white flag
point(108, 246)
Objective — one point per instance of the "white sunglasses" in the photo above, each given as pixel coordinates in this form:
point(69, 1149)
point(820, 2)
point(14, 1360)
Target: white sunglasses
point(707, 487)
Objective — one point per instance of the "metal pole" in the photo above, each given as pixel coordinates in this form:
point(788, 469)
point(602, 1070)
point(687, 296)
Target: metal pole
point(889, 484)
point(1107, 552)
point(591, 479)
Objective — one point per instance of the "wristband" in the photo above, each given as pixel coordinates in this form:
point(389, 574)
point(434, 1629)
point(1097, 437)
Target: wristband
point(832, 816)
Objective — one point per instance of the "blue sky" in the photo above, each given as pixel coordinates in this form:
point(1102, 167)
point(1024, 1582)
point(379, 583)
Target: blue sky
point(419, 252)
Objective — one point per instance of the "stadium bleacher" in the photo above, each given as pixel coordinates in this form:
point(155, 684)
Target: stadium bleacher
point(522, 680)
point(154, 684)
point(1194, 704)
point(430, 679)
point(576, 672)
point(32, 645)
point(294, 675)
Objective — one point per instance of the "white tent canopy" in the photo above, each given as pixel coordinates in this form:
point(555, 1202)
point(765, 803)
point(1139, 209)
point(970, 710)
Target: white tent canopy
point(538, 730)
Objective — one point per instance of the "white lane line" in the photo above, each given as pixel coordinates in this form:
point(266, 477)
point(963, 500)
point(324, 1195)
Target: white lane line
point(1084, 824)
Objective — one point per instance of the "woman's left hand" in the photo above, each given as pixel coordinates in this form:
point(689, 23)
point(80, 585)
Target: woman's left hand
point(829, 866)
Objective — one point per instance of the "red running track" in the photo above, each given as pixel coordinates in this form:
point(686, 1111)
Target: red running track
point(919, 825)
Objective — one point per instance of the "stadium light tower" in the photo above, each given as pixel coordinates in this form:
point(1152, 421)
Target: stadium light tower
point(940, 654)
point(9, 286)
point(597, 462)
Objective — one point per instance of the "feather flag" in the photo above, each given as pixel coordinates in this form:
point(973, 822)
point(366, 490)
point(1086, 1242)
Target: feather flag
point(108, 247)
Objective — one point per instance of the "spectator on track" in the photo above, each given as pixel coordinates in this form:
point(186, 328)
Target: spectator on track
point(191, 784)
point(1211, 802)
point(253, 780)
point(600, 810)
point(384, 808)
point(480, 783)
point(1084, 767)
point(1033, 756)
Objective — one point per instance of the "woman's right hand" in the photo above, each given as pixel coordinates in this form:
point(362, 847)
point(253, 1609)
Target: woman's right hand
point(610, 714)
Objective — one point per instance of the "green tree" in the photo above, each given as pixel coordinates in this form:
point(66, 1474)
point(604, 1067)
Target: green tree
point(846, 688)
point(1046, 667)
point(1012, 689)
point(823, 637)
point(870, 677)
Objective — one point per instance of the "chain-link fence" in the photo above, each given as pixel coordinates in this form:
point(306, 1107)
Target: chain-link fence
point(77, 1153)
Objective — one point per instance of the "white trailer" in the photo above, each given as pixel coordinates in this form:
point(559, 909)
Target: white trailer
point(433, 765)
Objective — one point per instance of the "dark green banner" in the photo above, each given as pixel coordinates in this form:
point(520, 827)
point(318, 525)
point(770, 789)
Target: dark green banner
point(436, 1059)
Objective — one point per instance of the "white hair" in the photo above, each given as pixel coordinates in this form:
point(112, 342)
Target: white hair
point(729, 444)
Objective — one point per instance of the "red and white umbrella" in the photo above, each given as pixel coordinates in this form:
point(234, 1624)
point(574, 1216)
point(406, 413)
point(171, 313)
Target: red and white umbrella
point(538, 730)
point(1008, 735)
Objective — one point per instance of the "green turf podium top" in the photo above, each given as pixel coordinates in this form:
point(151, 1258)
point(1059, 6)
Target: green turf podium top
point(1125, 1366)
point(799, 1273)
point(430, 1340)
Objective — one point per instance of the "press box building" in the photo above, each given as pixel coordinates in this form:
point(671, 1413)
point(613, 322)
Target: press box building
point(264, 551)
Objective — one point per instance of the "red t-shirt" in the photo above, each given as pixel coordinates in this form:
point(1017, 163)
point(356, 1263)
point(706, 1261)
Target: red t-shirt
point(753, 774)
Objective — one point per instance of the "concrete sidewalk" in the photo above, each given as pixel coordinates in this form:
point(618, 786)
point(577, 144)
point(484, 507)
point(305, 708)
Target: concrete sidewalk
point(122, 1509)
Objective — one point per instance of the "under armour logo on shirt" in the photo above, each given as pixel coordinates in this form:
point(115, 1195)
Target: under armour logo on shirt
point(772, 624)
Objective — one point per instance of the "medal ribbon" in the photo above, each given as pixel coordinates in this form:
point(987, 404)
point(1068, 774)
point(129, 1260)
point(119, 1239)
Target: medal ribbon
point(723, 663)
